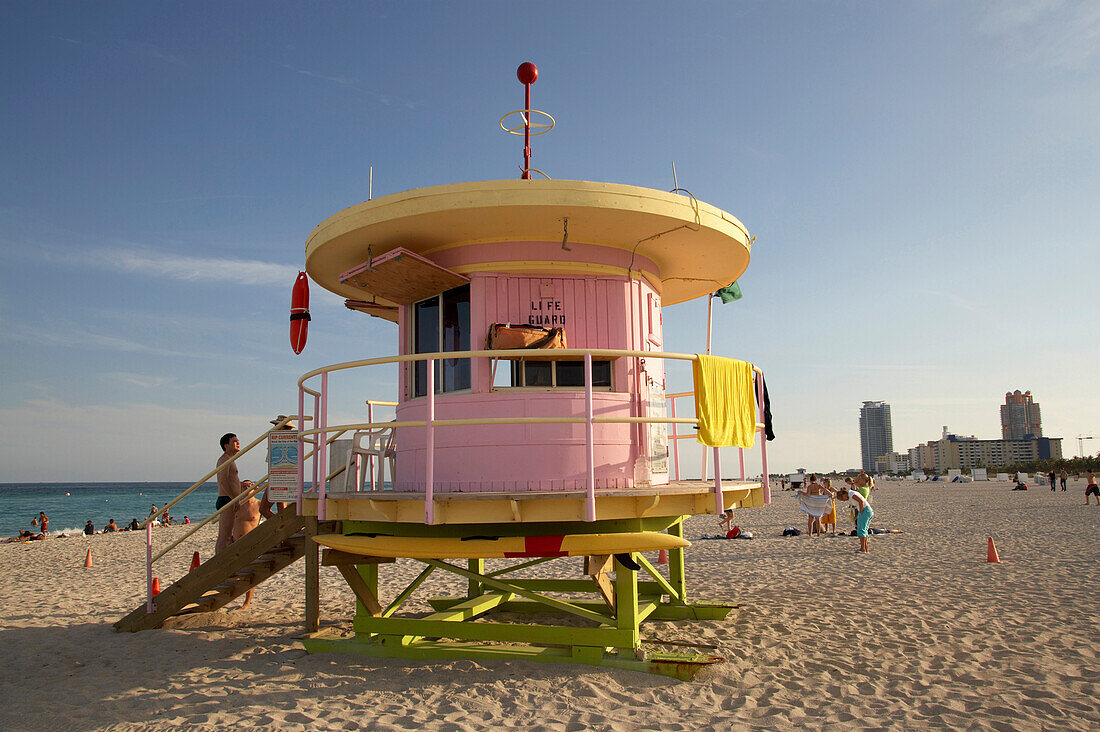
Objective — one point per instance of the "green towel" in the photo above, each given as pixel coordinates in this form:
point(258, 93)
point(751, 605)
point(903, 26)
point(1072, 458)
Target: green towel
point(725, 401)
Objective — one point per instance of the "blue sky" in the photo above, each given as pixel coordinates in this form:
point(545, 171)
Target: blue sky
point(922, 180)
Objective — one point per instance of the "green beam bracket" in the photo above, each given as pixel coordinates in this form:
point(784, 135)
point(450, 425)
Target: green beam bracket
point(677, 666)
point(550, 602)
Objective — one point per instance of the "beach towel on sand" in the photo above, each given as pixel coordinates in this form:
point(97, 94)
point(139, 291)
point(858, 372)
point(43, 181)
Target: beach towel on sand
point(725, 401)
point(814, 505)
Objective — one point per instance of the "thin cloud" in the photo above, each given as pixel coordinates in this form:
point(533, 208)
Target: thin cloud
point(344, 81)
point(1048, 33)
point(142, 380)
point(194, 269)
point(875, 366)
point(348, 82)
point(954, 298)
point(75, 337)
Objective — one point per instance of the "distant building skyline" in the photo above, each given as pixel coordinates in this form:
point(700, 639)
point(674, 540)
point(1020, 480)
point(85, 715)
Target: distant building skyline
point(1020, 417)
point(961, 452)
point(876, 434)
point(1021, 441)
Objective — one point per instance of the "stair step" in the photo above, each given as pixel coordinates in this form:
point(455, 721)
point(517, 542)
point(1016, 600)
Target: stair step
point(227, 575)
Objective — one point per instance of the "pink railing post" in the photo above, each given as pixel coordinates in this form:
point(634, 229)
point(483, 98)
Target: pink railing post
point(763, 437)
point(370, 460)
point(589, 444)
point(429, 461)
point(317, 423)
point(149, 606)
point(322, 451)
point(675, 442)
point(718, 481)
point(301, 447)
point(703, 461)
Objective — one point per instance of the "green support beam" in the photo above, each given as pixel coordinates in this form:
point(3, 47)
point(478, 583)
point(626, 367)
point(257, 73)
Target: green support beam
point(448, 632)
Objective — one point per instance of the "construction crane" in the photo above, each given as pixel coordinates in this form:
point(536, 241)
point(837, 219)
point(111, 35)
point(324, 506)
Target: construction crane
point(1081, 444)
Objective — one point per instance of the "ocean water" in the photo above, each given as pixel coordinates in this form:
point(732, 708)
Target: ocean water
point(71, 505)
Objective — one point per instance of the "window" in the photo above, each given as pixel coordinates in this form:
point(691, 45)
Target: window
point(562, 374)
point(442, 323)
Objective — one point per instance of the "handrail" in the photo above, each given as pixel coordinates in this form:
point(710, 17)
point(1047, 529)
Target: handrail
point(215, 471)
point(321, 406)
point(256, 488)
point(509, 354)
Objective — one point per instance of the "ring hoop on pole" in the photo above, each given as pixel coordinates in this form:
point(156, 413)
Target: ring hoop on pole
point(526, 115)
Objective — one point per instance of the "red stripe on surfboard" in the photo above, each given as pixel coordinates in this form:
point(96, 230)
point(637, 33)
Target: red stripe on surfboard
point(540, 546)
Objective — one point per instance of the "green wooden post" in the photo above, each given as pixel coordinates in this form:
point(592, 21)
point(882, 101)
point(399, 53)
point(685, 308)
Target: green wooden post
point(313, 583)
point(676, 565)
point(626, 602)
point(473, 586)
point(369, 573)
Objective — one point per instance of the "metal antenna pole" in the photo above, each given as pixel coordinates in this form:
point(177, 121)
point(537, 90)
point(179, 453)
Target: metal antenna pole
point(527, 73)
point(370, 184)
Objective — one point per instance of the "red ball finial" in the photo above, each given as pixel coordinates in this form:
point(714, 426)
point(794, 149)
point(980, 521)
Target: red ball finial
point(527, 73)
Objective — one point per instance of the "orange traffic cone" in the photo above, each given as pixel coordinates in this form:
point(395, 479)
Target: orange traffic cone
point(156, 586)
point(88, 558)
point(991, 552)
point(662, 556)
point(195, 562)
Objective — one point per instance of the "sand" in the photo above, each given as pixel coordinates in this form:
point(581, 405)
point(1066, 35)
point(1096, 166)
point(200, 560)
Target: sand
point(921, 633)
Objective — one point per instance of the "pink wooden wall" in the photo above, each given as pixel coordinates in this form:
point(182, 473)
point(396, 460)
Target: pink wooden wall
point(599, 311)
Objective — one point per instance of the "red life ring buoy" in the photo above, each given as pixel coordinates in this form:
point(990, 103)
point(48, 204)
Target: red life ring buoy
point(299, 312)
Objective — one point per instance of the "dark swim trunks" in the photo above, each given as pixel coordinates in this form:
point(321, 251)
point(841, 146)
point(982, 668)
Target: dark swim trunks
point(222, 500)
point(1092, 490)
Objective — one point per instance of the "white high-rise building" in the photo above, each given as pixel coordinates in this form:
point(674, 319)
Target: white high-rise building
point(876, 435)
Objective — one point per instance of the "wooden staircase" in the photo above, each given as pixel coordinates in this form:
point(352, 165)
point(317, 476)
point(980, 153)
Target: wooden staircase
point(263, 552)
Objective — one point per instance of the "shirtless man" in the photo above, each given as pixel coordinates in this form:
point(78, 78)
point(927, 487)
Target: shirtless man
point(1091, 489)
point(42, 521)
point(229, 487)
point(247, 517)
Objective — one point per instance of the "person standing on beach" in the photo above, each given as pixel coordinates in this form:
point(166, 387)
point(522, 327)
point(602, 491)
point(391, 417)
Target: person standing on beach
point(246, 518)
point(229, 487)
point(1063, 476)
point(1091, 489)
point(42, 521)
point(813, 488)
point(828, 521)
point(1051, 478)
point(864, 484)
point(863, 519)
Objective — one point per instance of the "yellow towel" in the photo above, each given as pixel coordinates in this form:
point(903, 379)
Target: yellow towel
point(725, 401)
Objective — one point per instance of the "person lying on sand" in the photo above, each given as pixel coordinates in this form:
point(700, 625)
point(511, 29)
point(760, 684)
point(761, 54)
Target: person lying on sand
point(24, 536)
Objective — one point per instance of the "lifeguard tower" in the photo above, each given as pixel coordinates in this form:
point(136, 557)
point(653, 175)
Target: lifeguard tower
point(531, 420)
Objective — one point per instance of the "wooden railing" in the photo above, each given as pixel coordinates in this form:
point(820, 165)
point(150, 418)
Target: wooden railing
point(430, 423)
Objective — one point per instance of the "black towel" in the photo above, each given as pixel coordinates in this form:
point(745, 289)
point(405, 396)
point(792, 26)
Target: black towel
point(767, 409)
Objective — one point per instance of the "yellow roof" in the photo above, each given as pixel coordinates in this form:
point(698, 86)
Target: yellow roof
point(697, 247)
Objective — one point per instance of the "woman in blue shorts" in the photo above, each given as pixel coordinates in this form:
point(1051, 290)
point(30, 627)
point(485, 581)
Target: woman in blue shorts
point(863, 518)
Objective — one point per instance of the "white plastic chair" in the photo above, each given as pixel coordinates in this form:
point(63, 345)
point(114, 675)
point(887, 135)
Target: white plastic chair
point(376, 445)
